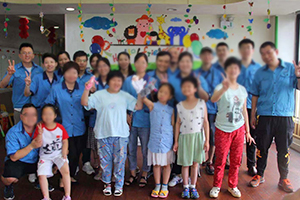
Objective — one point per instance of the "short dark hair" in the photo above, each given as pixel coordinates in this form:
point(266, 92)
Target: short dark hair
point(63, 52)
point(105, 60)
point(184, 54)
point(48, 55)
point(190, 79)
point(171, 88)
point(163, 53)
point(231, 61)
point(206, 50)
point(137, 56)
point(220, 44)
point(246, 41)
point(25, 44)
point(71, 65)
point(28, 105)
point(79, 54)
point(268, 43)
point(95, 55)
point(49, 105)
point(130, 70)
point(113, 74)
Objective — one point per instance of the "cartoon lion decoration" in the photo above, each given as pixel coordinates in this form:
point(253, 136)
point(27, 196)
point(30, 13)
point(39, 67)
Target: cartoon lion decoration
point(130, 34)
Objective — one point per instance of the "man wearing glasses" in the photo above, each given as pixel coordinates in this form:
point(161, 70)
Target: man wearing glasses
point(15, 75)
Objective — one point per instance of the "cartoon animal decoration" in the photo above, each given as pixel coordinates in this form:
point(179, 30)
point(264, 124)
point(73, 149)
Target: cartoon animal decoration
point(161, 33)
point(98, 23)
point(174, 31)
point(144, 26)
point(130, 34)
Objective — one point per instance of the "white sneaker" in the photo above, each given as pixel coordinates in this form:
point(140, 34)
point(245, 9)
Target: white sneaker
point(235, 192)
point(175, 180)
point(214, 192)
point(87, 168)
point(32, 178)
point(98, 177)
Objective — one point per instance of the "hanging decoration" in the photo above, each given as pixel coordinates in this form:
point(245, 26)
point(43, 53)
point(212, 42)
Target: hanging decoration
point(250, 19)
point(267, 20)
point(6, 19)
point(23, 28)
point(51, 36)
point(41, 15)
point(190, 21)
point(224, 15)
point(80, 21)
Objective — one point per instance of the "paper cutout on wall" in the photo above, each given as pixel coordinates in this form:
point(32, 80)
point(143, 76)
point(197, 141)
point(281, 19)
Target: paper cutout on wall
point(196, 47)
point(187, 41)
point(130, 34)
point(176, 19)
point(174, 31)
point(161, 33)
point(99, 45)
point(95, 48)
point(154, 38)
point(98, 23)
point(144, 26)
point(217, 34)
point(194, 36)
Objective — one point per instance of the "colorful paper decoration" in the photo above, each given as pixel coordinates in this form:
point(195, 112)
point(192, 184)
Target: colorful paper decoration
point(80, 21)
point(267, 20)
point(148, 10)
point(190, 21)
point(224, 14)
point(23, 28)
point(6, 19)
point(41, 15)
point(250, 19)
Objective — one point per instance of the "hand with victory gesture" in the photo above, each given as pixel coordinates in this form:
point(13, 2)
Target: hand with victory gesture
point(28, 78)
point(197, 76)
point(11, 67)
point(38, 141)
point(225, 83)
point(297, 68)
point(164, 78)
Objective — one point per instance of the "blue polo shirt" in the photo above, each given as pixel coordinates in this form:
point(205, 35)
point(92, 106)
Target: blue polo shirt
point(69, 104)
point(40, 88)
point(18, 83)
point(140, 118)
point(275, 90)
point(17, 138)
point(246, 77)
point(171, 74)
point(84, 78)
point(59, 73)
point(219, 67)
point(213, 78)
point(176, 83)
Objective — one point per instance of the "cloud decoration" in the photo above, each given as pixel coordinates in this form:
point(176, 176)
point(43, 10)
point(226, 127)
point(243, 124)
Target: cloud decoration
point(98, 23)
point(217, 34)
point(176, 19)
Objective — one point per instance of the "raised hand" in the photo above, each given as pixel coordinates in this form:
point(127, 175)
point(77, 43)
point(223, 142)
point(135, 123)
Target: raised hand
point(164, 78)
point(28, 78)
point(11, 67)
point(197, 76)
point(297, 68)
point(225, 83)
point(138, 84)
point(38, 141)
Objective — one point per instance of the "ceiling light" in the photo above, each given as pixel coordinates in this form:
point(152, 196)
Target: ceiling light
point(70, 9)
point(56, 27)
point(172, 9)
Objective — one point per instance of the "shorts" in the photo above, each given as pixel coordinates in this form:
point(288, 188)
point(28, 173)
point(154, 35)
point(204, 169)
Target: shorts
point(45, 165)
point(18, 169)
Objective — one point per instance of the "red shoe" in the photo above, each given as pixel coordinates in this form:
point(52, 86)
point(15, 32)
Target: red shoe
point(286, 185)
point(256, 180)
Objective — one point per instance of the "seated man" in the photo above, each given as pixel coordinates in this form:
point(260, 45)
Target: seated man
point(22, 150)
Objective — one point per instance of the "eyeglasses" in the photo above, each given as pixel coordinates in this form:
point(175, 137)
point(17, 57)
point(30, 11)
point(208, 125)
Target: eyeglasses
point(26, 53)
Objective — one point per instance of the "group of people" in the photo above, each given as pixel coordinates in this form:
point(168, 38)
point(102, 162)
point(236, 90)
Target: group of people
point(178, 114)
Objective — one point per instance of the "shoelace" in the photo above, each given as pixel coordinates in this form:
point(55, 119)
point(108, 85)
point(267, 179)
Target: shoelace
point(287, 182)
point(256, 177)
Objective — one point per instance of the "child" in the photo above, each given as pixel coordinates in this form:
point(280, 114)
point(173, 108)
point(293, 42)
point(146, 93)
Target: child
point(160, 144)
point(111, 128)
point(231, 126)
point(190, 140)
point(53, 151)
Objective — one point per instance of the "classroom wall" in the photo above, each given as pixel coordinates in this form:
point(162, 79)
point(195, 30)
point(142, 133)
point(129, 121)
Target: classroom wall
point(74, 43)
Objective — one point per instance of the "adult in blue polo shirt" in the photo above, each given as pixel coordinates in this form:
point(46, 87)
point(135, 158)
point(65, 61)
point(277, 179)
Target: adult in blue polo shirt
point(222, 50)
point(67, 96)
point(273, 100)
point(249, 67)
point(62, 58)
point(173, 68)
point(39, 87)
point(22, 150)
point(140, 127)
point(213, 78)
point(16, 74)
point(81, 58)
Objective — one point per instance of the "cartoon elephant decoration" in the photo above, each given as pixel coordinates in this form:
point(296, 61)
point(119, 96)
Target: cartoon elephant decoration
point(174, 31)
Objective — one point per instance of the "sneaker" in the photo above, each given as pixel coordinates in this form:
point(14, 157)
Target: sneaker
point(32, 178)
point(286, 185)
point(9, 192)
point(107, 190)
point(87, 168)
point(98, 176)
point(66, 198)
point(256, 180)
point(50, 187)
point(194, 193)
point(186, 193)
point(175, 180)
point(252, 171)
point(210, 170)
point(235, 192)
point(214, 192)
point(118, 192)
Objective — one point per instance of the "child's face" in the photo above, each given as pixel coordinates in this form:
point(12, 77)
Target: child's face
point(82, 62)
point(233, 71)
point(115, 84)
point(188, 89)
point(50, 64)
point(103, 68)
point(48, 115)
point(164, 94)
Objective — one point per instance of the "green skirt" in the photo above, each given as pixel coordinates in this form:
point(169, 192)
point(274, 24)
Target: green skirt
point(190, 149)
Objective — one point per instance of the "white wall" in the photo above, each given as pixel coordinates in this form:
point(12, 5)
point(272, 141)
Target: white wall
point(260, 35)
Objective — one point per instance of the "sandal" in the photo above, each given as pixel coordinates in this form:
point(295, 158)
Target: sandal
point(154, 193)
point(163, 194)
point(118, 192)
point(143, 184)
point(128, 182)
point(107, 190)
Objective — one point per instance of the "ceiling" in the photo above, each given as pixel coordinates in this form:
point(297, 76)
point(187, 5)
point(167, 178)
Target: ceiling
point(277, 7)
